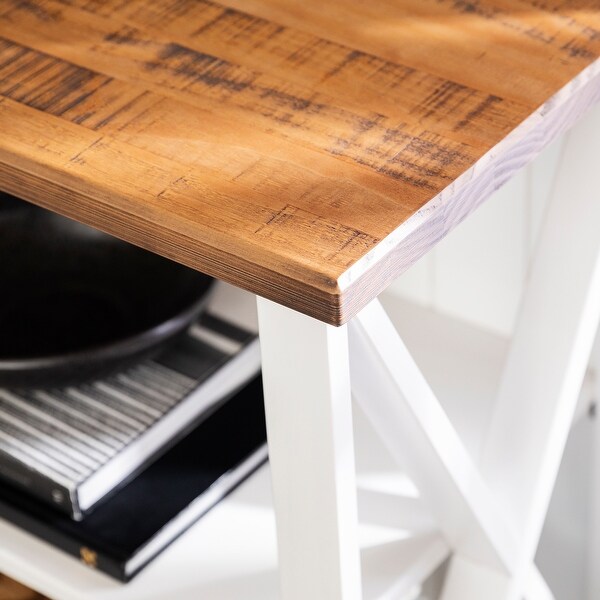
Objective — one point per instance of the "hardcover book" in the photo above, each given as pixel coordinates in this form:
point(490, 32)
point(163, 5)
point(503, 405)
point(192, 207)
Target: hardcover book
point(73, 446)
point(128, 529)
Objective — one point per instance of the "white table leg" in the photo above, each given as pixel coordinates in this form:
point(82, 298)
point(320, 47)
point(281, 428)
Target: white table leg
point(309, 423)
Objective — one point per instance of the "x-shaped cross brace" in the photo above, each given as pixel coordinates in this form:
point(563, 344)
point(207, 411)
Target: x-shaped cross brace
point(490, 508)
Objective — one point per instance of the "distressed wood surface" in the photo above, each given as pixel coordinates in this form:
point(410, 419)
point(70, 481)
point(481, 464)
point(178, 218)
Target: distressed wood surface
point(306, 151)
point(11, 590)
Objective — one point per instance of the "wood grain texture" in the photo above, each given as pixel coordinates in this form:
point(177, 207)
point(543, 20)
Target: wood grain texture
point(308, 152)
point(11, 590)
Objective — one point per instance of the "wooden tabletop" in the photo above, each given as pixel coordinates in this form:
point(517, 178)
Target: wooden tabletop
point(306, 151)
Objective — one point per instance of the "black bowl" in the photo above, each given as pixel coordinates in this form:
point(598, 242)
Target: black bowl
point(76, 303)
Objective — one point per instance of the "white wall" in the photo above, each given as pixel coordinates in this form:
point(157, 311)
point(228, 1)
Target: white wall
point(477, 272)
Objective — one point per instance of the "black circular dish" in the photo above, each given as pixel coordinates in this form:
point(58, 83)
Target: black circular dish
point(75, 302)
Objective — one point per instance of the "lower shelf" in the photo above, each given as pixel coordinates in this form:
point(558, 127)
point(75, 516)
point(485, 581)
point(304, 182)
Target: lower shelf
point(231, 553)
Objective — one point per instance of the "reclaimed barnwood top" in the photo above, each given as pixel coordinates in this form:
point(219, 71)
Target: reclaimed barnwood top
point(306, 151)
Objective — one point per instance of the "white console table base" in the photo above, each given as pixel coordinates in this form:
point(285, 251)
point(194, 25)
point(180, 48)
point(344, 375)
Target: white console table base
point(490, 508)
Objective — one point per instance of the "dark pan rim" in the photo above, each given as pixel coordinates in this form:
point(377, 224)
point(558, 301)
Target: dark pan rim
point(111, 351)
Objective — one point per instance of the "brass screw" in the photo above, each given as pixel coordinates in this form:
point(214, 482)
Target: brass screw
point(89, 557)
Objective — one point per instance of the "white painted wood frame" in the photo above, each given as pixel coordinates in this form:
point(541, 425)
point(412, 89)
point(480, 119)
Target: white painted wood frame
point(549, 354)
point(309, 423)
point(402, 408)
point(408, 417)
point(490, 508)
point(535, 406)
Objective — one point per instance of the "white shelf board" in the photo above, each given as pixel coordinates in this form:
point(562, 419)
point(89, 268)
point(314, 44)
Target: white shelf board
point(213, 562)
point(230, 554)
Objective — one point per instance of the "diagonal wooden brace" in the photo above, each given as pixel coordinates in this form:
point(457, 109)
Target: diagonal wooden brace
point(550, 351)
point(492, 512)
point(403, 409)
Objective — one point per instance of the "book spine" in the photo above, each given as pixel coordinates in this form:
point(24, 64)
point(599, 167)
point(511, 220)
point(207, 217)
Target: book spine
point(40, 486)
point(89, 556)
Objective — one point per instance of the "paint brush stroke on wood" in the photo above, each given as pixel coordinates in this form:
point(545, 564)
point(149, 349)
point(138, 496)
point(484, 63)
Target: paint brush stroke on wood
point(309, 152)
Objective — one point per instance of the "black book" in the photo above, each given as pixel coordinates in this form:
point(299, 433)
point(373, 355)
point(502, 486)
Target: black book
point(127, 530)
point(72, 446)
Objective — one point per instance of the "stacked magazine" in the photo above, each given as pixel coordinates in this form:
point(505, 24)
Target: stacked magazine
point(113, 470)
